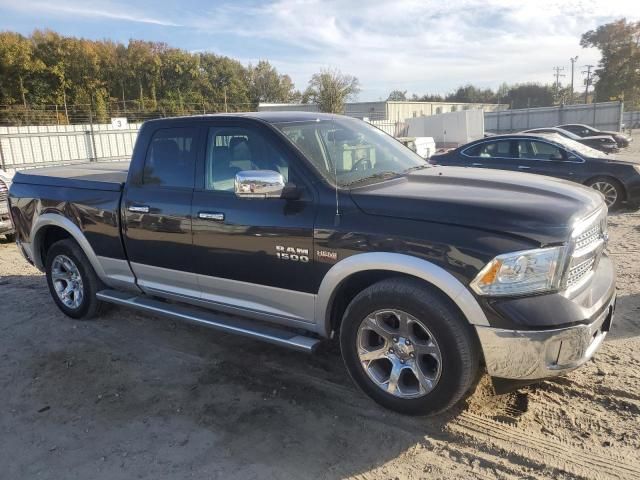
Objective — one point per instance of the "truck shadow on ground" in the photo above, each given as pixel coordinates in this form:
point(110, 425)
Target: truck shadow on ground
point(626, 322)
point(128, 389)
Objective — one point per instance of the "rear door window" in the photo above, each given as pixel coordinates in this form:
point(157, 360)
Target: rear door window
point(535, 150)
point(171, 158)
point(497, 149)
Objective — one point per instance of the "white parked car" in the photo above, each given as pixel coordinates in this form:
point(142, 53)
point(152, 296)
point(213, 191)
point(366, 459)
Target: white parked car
point(6, 227)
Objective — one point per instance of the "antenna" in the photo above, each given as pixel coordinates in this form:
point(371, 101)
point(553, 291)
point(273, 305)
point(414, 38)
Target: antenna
point(336, 221)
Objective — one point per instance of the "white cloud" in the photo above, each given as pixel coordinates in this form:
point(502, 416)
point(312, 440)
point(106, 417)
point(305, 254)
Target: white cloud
point(89, 10)
point(421, 46)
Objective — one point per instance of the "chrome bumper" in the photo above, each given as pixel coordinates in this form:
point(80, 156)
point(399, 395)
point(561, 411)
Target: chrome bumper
point(530, 355)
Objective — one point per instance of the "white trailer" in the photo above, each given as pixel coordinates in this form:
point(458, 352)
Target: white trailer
point(449, 129)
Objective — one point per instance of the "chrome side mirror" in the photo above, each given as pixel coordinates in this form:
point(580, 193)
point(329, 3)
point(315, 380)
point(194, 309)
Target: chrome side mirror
point(259, 184)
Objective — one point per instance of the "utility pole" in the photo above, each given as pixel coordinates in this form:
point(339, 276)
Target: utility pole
point(558, 75)
point(573, 61)
point(587, 81)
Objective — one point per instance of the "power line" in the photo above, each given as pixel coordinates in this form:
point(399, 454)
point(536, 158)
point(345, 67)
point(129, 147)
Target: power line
point(558, 75)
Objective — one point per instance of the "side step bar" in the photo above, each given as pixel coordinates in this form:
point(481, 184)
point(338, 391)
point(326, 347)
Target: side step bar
point(218, 321)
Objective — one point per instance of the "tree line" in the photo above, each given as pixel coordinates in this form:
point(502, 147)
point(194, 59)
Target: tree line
point(516, 96)
point(47, 68)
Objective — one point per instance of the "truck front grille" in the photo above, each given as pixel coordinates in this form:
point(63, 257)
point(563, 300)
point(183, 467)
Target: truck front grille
point(588, 245)
point(4, 192)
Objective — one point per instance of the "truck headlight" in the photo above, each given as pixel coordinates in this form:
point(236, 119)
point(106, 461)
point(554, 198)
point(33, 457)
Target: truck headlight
point(518, 273)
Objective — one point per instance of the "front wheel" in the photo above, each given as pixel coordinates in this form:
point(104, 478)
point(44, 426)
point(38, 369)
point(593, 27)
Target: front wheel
point(72, 281)
point(408, 348)
point(610, 189)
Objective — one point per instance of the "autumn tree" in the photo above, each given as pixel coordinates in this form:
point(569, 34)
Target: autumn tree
point(17, 65)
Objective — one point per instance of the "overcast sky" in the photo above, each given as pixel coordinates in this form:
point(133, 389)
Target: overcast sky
point(415, 45)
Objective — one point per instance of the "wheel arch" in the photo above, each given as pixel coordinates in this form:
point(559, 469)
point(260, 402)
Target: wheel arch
point(53, 225)
point(367, 268)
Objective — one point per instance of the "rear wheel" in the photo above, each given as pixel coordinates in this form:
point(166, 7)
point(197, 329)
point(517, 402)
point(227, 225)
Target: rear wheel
point(610, 188)
point(72, 282)
point(408, 348)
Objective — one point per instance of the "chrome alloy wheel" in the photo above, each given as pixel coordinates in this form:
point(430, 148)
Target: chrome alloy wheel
point(399, 354)
point(67, 281)
point(609, 191)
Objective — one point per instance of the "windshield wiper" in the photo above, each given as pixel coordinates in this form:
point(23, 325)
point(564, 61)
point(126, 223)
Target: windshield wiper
point(377, 176)
point(417, 167)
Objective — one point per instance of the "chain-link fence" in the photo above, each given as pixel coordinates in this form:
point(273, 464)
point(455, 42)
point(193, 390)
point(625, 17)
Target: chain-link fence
point(60, 135)
point(134, 110)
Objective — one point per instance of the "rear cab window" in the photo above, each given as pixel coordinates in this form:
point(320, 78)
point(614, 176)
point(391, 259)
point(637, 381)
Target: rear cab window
point(171, 158)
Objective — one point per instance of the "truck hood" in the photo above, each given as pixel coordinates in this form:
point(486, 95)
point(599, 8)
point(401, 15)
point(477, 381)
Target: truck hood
point(539, 208)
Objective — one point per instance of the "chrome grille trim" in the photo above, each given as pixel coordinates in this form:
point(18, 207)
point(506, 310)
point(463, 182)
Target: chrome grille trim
point(577, 272)
point(588, 242)
point(4, 191)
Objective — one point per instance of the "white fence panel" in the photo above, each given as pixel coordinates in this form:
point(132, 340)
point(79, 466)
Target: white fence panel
point(631, 119)
point(604, 116)
point(46, 145)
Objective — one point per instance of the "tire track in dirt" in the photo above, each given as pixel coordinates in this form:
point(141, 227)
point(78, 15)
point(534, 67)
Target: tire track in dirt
point(527, 447)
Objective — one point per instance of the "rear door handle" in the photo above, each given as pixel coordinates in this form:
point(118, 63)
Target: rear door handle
point(523, 167)
point(215, 216)
point(138, 208)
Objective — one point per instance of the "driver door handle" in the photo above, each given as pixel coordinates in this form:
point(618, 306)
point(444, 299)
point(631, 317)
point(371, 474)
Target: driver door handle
point(477, 164)
point(523, 167)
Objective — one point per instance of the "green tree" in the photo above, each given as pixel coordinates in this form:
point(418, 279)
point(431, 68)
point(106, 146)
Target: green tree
point(618, 71)
point(330, 89)
point(528, 95)
point(470, 94)
point(397, 96)
point(267, 85)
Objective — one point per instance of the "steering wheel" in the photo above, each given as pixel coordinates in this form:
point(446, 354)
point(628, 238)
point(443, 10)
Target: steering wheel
point(363, 164)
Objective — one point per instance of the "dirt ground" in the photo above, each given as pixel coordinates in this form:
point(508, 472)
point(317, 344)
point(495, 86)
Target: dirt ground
point(136, 396)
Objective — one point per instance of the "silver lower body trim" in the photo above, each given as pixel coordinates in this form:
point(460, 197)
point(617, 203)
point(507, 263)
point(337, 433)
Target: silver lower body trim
point(235, 297)
point(118, 274)
point(531, 355)
point(225, 323)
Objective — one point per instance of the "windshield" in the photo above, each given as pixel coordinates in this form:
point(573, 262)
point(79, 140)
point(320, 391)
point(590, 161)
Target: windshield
point(350, 151)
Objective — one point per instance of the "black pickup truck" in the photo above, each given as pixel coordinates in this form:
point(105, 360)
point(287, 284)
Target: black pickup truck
point(297, 227)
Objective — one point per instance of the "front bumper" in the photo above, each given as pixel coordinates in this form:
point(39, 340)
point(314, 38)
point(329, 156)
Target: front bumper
point(530, 355)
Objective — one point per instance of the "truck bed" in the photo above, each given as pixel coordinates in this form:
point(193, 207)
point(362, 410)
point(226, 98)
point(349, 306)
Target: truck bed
point(95, 176)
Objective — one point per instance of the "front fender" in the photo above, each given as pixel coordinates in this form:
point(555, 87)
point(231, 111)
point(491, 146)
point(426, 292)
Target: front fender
point(400, 263)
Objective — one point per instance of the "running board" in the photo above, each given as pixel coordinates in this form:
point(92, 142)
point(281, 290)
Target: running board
point(218, 321)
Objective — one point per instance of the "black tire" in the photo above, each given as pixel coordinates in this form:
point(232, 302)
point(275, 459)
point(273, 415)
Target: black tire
point(89, 306)
point(458, 345)
point(599, 183)
point(11, 237)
